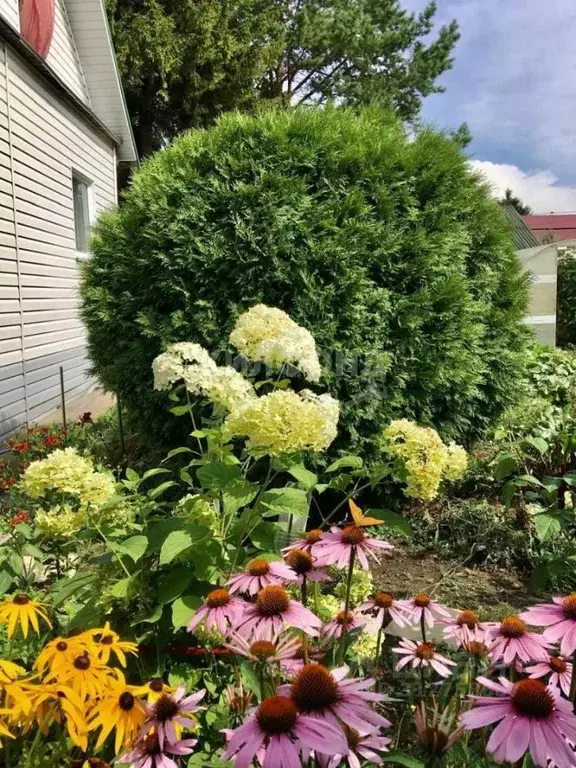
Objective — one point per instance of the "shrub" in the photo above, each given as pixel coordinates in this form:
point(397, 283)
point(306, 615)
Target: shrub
point(566, 328)
point(389, 249)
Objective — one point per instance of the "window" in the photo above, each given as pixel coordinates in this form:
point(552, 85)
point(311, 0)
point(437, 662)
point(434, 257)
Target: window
point(81, 193)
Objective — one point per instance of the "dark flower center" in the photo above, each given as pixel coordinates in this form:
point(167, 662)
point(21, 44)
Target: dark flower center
point(165, 708)
point(468, 619)
point(62, 646)
point(126, 701)
point(476, 648)
point(82, 662)
point(512, 627)
point(21, 600)
point(262, 649)
point(557, 664)
point(569, 607)
point(272, 601)
point(345, 618)
point(314, 536)
point(352, 736)
point(218, 598)
point(424, 651)
point(383, 600)
point(434, 740)
point(299, 560)
point(277, 715)
point(258, 568)
point(107, 640)
point(156, 685)
point(531, 698)
point(422, 601)
point(151, 745)
point(314, 689)
point(352, 534)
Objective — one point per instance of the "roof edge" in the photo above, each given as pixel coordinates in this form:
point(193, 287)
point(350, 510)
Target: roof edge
point(8, 33)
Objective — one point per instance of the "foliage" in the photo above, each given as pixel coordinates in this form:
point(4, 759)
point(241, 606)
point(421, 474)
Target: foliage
point(184, 63)
point(511, 199)
point(566, 297)
point(388, 249)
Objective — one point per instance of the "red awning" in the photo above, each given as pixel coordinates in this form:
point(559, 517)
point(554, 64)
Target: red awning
point(37, 24)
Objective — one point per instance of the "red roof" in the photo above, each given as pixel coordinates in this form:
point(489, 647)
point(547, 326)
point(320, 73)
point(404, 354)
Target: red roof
point(562, 226)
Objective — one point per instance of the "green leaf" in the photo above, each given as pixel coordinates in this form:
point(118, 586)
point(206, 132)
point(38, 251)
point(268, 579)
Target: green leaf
point(264, 536)
point(399, 758)
point(570, 479)
point(121, 588)
point(178, 451)
point(151, 617)
point(306, 478)
point(174, 544)
point(538, 443)
point(173, 584)
point(285, 501)
point(238, 494)
point(183, 609)
point(180, 410)
point(134, 547)
point(162, 488)
point(24, 530)
point(504, 466)
point(154, 472)
point(113, 501)
point(64, 589)
point(346, 462)
point(542, 573)
point(395, 522)
point(508, 491)
point(33, 551)
point(546, 526)
point(218, 474)
point(5, 581)
point(523, 480)
point(134, 477)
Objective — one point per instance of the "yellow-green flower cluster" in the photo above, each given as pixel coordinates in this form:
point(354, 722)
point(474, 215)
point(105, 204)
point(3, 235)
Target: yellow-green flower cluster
point(364, 647)
point(61, 522)
point(198, 511)
point(361, 587)
point(64, 471)
point(326, 607)
point(269, 335)
point(192, 364)
point(422, 460)
point(285, 422)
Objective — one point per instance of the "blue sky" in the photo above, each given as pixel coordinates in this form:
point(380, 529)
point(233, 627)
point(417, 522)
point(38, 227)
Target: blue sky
point(514, 83)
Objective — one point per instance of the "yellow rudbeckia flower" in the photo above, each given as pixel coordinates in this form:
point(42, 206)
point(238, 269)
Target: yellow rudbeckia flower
point(58, 653)
point(86, 675)
point(9, 671)
point(119, 709)
point(57, 703)
point(154, 689)
point(108, 642)
point(3, 727)
point(20, 610)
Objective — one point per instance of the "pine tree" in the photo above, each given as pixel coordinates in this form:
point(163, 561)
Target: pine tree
point(511, 199)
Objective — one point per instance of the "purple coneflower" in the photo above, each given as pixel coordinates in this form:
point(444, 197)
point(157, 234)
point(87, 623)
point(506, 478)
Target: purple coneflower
point(342, 623)
point(172, 710)
point(309, 541)
point(422, 655)
point(511, 642)
point(359, 747)
point(532, 717)
point(382, 606)
point(559, 618)
point(336, 547)
point(277, 732)
point(558, 668)
point(328, 697)
point(148, 753)
point(435, 729)
point(421, 609)
point(464, 628)
point(260, 574)
point(263, 650)
point(302, 563)
point(272, 611)
point(219, 608)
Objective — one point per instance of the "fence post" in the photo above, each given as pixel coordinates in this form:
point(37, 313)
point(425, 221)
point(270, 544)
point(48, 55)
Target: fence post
point(63, 400)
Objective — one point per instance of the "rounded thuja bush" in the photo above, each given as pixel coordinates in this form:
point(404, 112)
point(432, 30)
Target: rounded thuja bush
point(387, 247)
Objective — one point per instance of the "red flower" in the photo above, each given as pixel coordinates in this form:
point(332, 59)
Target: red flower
point(51, 440)
point(21, 516)
point(6, 482)
point(23, 447)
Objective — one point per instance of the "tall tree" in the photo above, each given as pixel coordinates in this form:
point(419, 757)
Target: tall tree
point(183, 62)
point(511, 199)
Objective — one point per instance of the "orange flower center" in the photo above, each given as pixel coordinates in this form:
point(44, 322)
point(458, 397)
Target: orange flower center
point(218, 598)
point(126, 701)
point(569, 607)
point(531, 698)
point(165, 708)
point(352, 736)
point(476, 648)
point(422, 601)
point(352, 534)
point(512, 627)
point(258, 568)
point(82, 663)
point(424, 651)
point(262, 649)
point(557, 664)
point(314, 536)
point(21, 600)
point(277, 715)
point(345, 618)
point(468, 619)
point(384, 600)
point(299, 560)
point(156, 685)
point(272, 601)
point(314, 689)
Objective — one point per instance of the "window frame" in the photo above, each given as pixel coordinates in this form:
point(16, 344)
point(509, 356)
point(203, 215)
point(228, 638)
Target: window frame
point(77, 177)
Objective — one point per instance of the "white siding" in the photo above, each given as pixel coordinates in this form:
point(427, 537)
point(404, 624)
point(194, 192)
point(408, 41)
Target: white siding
point(41, 142)
point(9, 9)
point(63, 57)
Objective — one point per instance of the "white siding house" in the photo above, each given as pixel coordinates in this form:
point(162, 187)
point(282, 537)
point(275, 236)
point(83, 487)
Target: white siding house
point(62, 133)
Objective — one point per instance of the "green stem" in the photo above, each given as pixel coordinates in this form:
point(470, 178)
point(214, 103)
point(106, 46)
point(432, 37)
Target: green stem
point(193, 422)
point(116, 555)
point(423, 628)
point(347, 603)
point(304, 590)
point(573, 683)
point(339, 506)
point(248, 518)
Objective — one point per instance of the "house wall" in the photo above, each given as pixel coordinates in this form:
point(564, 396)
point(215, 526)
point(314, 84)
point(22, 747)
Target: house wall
point(9, 9)
point(63, 56)
point(542, 263)
point(42, 141)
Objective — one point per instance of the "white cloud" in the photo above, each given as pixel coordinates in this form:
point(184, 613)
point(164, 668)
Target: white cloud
point(539, 189)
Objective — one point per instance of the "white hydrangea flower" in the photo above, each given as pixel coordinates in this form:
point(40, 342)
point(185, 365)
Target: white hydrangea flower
point(171, 366)
point(271, 336)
